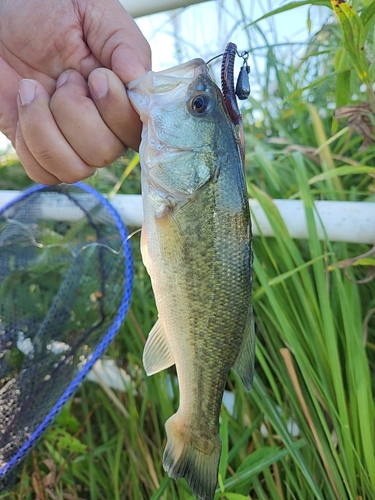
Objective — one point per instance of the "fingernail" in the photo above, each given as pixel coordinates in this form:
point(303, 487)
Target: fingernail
point(62, 79)
point(26, 91)
point(99, 84)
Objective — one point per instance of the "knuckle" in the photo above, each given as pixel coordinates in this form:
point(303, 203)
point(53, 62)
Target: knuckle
point(108, 155)
point(67, 101)
point(58, 103)
point(104, 161)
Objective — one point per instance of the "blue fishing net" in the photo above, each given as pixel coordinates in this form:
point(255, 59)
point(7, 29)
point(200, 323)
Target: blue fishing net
point(65, 287)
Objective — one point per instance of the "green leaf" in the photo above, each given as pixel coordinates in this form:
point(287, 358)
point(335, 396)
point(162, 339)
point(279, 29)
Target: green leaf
point(258, 461)
point(235, 496)
point(290, 6)
point(62, 440)
point(368, 261)
point(341, 171)
point(161, 490)
point(342, 89)
point(68, 421)
point(353, 37)
point(368, 15)
point(341, 60)
point(342, 64)
point(224, 444)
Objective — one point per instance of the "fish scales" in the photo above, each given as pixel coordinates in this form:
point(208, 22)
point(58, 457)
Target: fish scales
point(196, 245)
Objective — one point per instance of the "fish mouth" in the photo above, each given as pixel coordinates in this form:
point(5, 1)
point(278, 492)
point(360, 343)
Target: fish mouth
point(163, 87)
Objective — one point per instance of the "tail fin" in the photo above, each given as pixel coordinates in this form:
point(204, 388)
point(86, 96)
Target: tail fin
point(188, 457)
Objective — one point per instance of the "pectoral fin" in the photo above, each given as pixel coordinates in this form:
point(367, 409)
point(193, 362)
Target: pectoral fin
point(157, 355)
point(244, 365)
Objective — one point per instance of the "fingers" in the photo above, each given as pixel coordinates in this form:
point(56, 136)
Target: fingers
point(8, 104)
point(64, 138)
point(80, 122)
point(111, 99)
point(33, 169)
point(115, 39)
point(43, 150)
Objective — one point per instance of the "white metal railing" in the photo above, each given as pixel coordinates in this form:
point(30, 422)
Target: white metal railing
point(137, 8)
point(351, 222)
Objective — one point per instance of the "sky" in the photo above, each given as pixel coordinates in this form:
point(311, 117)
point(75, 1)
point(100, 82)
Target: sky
point(203, 30)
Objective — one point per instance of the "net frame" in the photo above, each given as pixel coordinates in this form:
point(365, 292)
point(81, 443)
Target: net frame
point(118, 319)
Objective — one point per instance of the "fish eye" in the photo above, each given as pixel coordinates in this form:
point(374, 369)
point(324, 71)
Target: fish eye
point(200, 103)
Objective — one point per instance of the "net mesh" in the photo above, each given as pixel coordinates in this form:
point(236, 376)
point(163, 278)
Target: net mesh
point(65, 286)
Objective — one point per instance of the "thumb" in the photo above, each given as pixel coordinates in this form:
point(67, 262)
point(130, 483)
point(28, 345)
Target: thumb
point(115, 39)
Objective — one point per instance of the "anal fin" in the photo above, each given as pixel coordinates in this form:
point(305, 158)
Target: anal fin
point(157, 355)
point(244, 365)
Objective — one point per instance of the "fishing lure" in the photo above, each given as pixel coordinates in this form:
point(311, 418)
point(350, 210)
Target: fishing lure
point(243, 84)
point(229, 92)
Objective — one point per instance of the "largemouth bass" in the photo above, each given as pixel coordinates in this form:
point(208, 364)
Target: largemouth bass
point(196, 245)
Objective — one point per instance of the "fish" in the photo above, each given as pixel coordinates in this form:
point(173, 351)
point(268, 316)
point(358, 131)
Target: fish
point(196, 244)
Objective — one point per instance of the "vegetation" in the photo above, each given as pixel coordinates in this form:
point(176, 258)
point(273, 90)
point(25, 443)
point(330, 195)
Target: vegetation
point(306, 431)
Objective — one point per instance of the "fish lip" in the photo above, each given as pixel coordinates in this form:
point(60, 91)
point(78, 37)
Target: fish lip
point(143, 91)
point(198, 66)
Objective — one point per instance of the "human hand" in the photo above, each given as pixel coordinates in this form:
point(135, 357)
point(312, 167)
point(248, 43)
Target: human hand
point(71, 114)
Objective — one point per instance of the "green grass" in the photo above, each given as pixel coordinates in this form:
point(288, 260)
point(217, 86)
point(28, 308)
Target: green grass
point(315, 326)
